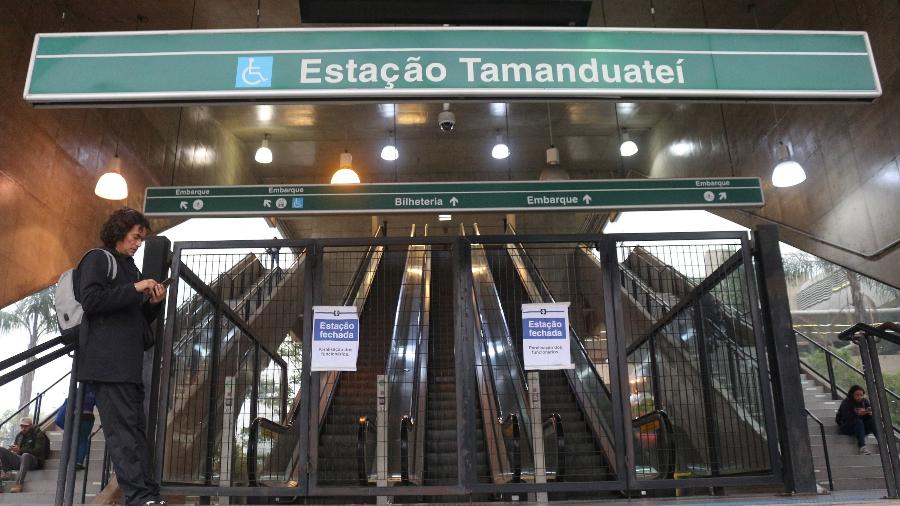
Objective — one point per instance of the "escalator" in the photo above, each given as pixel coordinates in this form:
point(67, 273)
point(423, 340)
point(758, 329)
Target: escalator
point(355, 393)
point(584, 456)
point(440, 427)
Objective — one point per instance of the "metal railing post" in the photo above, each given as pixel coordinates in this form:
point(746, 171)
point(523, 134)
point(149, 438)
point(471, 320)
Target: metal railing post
point(706, 389)
point(61, 474)
point(884, 428)
point(829, 363)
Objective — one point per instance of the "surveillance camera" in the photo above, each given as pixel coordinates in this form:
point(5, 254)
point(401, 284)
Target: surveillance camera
point(446, 120)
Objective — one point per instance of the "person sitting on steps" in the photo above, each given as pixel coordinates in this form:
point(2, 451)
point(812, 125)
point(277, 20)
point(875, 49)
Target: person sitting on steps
point(854, 417)
point(28, 452)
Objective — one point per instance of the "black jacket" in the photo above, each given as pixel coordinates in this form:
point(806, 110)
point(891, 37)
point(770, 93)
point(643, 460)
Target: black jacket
point(117, 319)
point(35, 442)
point(846, 413)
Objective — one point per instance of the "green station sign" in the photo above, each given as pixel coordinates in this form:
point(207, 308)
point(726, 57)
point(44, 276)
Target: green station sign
point(386, 198)
point(406, 63)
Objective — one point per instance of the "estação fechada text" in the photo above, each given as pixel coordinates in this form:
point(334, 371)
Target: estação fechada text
point(414, 70)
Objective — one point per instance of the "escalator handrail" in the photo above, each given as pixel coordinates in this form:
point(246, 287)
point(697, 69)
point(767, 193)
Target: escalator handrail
point(668, 431)
point(512, 421)
point(281, 429)
point(364, 426)
point(555, 421)
point(407, 425)
point(535, 273)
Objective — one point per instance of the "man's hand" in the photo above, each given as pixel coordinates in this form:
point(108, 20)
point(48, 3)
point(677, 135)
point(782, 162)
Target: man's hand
point(157, 293)
point(14, 449)
point(145, 286)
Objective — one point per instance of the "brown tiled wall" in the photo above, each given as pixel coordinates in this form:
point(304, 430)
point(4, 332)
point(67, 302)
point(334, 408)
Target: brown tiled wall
point(851, 199)
point(50, 159)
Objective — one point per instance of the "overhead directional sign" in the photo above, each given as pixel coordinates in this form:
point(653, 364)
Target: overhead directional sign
point(383, 63)
point(299, 200)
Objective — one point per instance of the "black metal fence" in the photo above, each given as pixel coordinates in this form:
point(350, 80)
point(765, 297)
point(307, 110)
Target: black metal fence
point(669, 387)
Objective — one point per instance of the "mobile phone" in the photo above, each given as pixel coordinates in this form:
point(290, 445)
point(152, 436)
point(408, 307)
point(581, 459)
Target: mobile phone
point(166, 282)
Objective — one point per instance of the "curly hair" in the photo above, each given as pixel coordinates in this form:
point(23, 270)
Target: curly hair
point(119, 223)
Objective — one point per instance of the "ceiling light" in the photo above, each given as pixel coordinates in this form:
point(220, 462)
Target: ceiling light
point(265, 113)
point(552, 155)
point(389, 152)
point(500, 150)
point(628, 147)
point(264, 154)
point(111, 185)
point(444, 217)
point(787, 172)
point(345, 174)
point(681, 148)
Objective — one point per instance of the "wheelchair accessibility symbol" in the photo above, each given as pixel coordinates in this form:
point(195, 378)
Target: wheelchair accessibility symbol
point(254, 72)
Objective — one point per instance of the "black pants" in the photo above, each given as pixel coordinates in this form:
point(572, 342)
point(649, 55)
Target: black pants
point(859, 427)
point(121, 407)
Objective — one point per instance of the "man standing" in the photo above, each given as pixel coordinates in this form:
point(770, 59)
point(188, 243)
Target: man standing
point(118, 313)
point(28, 452)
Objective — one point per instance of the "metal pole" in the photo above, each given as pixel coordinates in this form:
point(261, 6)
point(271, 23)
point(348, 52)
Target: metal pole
point(829, 363)
point(213, 380)
point(706, 388)
point(884, 428)
point(67, 434)
point(309, 382)
point(781, 344)
point(73, 446)
point(157, 254)
point(464, 326)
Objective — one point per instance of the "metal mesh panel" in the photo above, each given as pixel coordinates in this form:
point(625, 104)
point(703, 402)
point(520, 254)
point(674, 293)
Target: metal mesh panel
point(234, 309)
point(692, 355)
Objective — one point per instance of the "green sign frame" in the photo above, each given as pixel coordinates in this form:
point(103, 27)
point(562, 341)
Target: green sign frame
point(433, 63)
point(457, 197)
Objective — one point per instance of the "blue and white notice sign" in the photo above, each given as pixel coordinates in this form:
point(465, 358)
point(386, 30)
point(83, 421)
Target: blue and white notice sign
point(335, 338)
point(545, 336)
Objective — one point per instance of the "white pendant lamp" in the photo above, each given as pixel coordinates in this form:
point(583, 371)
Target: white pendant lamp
point(788, 172)
point(345, 174)
point(389, 152)
point(111, 185)
point(264, 154)
point(500, 150)
point(628, 146)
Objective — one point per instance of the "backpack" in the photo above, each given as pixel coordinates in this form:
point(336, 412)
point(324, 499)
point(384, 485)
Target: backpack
point(69, 312)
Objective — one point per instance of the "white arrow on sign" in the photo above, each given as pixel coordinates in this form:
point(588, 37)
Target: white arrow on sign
point(267, 203)
point(587, 199)
point(183, 204)
point(454, 201)
point(723, 196)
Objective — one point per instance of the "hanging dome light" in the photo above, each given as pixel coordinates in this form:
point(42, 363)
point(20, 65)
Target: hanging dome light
point(500, 150)
point(345, 174)
point(389, 152)
point(628, 146)
point(111, 185)
point(264, 154)
point(788, 172)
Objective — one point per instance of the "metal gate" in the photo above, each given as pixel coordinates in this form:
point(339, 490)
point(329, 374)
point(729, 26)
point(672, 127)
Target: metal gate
point(669, 387)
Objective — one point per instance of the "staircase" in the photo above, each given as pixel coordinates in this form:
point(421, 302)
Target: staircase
point(849, 469)
point(40, 484)
point(356, 391)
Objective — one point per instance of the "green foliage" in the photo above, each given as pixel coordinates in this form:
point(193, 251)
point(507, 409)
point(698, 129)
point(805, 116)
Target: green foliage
point(846, 377)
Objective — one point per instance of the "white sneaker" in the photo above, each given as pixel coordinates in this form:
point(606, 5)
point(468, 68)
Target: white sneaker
point(864, 450)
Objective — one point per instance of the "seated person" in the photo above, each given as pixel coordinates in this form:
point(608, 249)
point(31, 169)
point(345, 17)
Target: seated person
point(854, 417)
point(28, 452)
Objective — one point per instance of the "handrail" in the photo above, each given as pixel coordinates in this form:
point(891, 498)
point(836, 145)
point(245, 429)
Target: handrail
point(824, 447)
point(39, 397)
point(283, 428)
point(512, 421)
point(406, 426)
point(37, 363)
point(362, 470)
point(87, 466)
point(32, 352)
point(668, 441)
point(555, 422)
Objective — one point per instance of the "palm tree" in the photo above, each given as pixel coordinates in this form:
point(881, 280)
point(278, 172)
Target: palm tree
point(35, 314)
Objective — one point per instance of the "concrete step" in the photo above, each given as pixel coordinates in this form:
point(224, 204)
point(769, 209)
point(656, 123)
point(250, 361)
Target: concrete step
point(40, 498)
point(849, 472)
